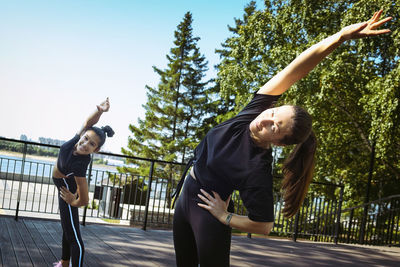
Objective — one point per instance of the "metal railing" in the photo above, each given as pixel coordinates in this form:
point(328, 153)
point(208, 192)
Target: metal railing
point(26, 185)
point(318, 218)
point(373, 223)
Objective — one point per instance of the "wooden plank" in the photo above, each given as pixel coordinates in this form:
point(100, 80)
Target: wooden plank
point(56, 232)
point(106, 254)
point(30, 245)
point(152, 237)
point(127, 246)
point(143, 248)
point(54, 247)
point(17, 243)
point(41, 244)
point(7, 253)
point(120, 242)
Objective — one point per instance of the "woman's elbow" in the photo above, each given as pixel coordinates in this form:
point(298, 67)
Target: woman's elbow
point(83, 202)
point(268, 228)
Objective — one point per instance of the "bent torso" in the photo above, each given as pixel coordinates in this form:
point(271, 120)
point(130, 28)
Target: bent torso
point(57, 173)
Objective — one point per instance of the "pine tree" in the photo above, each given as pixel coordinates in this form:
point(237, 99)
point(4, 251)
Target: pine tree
point(174, 109)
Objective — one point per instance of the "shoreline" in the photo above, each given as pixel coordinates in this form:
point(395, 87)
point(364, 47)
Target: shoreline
point(46, 158)
point(28, 156)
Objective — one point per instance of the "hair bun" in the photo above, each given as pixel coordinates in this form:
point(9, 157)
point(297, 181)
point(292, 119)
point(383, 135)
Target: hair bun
point(108, 130)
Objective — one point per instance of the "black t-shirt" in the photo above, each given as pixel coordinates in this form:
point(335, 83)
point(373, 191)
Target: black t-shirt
point(227, 159)
point(70, 164)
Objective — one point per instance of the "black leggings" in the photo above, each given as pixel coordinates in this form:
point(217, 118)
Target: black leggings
point(72, 245)
point(198, 236)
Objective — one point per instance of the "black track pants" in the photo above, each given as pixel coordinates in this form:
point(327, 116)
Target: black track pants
point(72, 245)
point(198, 236)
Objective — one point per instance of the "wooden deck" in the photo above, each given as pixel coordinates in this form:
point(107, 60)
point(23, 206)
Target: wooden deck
point(33, 242)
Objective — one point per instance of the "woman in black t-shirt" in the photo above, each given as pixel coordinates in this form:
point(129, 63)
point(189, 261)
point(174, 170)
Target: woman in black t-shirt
point(69, 175)
point(236, 155)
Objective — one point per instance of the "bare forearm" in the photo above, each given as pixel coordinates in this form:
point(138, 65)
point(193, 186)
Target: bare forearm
point(310, 58)
point(244, 224)
point(302, 65)
point(218, 208)
point(93, 118)
point(79, 202)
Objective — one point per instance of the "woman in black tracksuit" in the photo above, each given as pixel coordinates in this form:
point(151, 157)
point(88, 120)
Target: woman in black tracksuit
point(236, 155)
point(69, 175)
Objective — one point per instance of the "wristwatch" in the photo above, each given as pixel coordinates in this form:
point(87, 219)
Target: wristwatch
point(228, 219)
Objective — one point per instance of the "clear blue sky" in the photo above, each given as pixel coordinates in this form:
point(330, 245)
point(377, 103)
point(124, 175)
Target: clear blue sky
point(58, 59)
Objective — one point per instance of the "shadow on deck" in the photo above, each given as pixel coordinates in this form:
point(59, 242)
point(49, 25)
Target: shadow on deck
point(36, 242)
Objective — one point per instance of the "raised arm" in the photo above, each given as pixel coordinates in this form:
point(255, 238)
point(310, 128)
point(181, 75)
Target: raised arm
point(95, 116)
point(310, 58)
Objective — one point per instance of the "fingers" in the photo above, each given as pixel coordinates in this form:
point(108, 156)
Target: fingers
point(105, 105)
point(381, 22)
point(212, 201)
point(66, 195)
point(374, 21)
point(215, 205)
point(208, 196)
point(62, 194)
point(376, 15)
point(216, 195)
point(64, 189)
point(205, 200)
point(378, 32)
point(204, 206)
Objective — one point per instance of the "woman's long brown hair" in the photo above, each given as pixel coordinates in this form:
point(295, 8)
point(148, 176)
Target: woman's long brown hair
point(299, 166)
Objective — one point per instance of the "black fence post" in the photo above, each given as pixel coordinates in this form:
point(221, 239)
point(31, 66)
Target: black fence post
point(339, 214)
point(89, 179)
point(370, 174)
point(148, 196)
point(350, 225)
point(393, 215)
point(363, 224)
point(20, 180)
point(296, 226)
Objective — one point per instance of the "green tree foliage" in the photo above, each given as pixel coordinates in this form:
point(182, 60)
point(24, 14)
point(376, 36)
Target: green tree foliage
point(353, 95)
point(175, 109)
point(230, 79)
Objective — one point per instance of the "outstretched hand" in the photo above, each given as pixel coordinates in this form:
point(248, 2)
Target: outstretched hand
point(365, 29)
point(104, 106)
point(215, 205)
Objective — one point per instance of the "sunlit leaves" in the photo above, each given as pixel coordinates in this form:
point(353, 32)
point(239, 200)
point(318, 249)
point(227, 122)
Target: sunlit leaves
point(353, 95)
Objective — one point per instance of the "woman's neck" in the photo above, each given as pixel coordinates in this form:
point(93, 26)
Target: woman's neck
point(258, 142)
